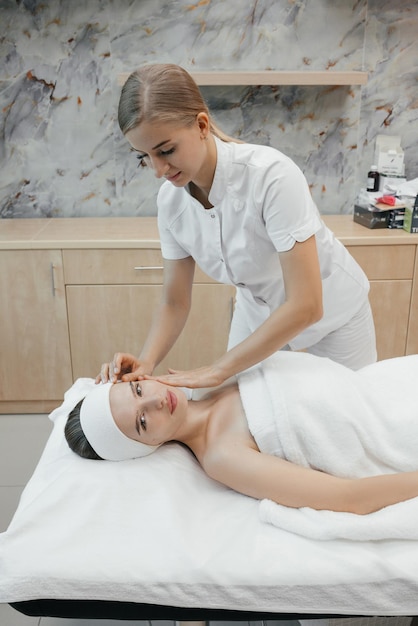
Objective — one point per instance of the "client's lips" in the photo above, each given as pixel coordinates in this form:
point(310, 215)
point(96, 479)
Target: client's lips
point(172, 401)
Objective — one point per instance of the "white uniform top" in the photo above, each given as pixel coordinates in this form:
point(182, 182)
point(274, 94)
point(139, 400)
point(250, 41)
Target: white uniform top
point(261, 205)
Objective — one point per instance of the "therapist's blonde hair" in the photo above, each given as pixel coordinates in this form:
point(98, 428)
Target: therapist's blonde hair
point(163, 92)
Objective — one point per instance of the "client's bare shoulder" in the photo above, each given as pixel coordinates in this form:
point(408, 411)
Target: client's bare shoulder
point(227, 432)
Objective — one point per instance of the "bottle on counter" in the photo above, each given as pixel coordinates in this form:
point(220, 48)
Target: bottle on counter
point(373, 179)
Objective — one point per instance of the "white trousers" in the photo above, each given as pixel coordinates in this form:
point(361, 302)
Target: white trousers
point(352, 345)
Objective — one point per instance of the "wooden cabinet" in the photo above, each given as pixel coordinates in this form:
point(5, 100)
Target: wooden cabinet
point(390, 260)
point(111, 298)
point(73, 291)
point(35, 352)
point(412, 341)
point(390, 270)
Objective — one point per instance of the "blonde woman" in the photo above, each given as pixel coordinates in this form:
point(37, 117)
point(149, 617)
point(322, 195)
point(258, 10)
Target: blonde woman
point(245, 215)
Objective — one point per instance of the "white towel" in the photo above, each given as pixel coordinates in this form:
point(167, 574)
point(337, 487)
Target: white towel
point(399, 521)
point(317, 413)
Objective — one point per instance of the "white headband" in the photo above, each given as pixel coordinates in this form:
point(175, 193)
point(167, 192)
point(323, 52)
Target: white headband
point(101, 431)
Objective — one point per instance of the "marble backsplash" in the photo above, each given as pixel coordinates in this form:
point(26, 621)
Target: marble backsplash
point(61, 151)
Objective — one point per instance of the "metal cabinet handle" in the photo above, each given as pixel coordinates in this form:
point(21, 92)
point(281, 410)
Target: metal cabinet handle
point(148, 267)
point(231, 309)
point(53, 280)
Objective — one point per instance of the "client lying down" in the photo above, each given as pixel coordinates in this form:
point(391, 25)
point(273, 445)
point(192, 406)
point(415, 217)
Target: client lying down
point(298, 430)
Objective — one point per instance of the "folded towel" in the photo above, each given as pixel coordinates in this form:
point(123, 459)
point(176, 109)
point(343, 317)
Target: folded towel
point(317, 413)
point(399, 521)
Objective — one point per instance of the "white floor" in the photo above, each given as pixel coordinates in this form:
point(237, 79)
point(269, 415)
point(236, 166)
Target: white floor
point(22, 439)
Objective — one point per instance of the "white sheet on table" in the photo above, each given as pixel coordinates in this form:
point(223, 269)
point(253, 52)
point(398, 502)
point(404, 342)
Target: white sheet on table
point(158, 530)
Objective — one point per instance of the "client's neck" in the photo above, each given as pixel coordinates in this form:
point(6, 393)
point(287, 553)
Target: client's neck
point(195, 428)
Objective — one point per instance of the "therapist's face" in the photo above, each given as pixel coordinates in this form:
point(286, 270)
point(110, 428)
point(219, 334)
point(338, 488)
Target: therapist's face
point(148, 411)
point(177, 153)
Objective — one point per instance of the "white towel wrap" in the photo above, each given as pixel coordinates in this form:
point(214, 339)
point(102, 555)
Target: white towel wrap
point(317, 413)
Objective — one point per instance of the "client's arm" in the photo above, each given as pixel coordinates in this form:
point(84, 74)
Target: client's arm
point(262, 476)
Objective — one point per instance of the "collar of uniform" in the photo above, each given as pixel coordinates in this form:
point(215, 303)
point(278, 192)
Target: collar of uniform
point(223, 165)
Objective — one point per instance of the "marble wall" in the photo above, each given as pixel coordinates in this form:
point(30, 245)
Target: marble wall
point(62, 154)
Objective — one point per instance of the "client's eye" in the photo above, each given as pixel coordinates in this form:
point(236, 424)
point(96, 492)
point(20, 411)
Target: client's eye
point(143, 422)
point(138, 390)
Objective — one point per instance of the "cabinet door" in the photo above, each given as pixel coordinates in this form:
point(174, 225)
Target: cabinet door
point(412, 339)
point(389, 300)
point(104, 319)
point(390, 270)
point(35, 354)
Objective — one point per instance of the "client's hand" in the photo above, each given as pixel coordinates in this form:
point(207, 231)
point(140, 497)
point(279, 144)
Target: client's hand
point(123, 366)
point(201, 377)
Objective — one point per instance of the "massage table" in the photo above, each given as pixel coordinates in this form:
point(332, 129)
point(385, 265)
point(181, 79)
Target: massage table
point(155, 538)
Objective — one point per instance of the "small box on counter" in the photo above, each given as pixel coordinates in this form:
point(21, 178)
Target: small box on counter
point(387, 182)
point(389, 156)
point(379, 215)
point(396, 218)
point(410, 222)
point(371, 216)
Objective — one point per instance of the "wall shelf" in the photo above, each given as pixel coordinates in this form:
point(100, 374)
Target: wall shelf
point(326, 77)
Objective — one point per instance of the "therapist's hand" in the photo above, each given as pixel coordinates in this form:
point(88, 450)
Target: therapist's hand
point(125, 367)
point(201, 377)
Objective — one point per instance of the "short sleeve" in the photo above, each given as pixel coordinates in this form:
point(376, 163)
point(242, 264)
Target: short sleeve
point(289, 211)
point(168, 204)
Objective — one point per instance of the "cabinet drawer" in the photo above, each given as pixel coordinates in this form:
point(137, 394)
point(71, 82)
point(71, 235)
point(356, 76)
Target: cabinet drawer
point(385, 262)
point(103, 319)
point(117, 267)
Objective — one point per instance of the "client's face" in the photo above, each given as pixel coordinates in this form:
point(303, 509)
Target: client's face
point(148, 411)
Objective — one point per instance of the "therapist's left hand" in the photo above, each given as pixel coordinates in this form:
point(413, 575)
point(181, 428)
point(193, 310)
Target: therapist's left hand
point(201, 377)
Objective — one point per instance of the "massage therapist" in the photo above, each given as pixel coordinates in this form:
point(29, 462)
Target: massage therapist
point(245, 215)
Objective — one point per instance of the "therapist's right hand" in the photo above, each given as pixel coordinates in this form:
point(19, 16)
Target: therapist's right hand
point(123, 366)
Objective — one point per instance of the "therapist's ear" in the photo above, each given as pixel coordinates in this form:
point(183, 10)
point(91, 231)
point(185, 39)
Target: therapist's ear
point(203, 123)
